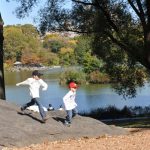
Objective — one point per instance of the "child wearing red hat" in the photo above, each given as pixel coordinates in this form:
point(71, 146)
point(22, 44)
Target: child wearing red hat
point(70, 104)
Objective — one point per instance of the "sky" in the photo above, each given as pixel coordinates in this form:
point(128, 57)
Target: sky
point(9, 17)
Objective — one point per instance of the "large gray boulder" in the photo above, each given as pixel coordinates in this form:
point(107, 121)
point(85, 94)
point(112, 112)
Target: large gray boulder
point(18, 130)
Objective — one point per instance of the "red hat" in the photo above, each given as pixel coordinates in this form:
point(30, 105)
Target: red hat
point(73, 85)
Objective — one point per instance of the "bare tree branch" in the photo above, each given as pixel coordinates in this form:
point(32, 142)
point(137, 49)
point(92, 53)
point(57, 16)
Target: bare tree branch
point(148, 11)
point(141, 13)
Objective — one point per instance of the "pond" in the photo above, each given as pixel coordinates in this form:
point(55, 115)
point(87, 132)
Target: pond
point(89, 97)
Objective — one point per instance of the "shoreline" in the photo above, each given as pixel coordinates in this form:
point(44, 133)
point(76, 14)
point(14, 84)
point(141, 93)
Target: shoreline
point(28, 68)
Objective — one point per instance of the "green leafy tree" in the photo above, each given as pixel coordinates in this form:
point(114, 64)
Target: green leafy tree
point(91, 63)
point(56, 46)
point(14, 42)
point(53, 42)
point(20, 41)
point(83, 46)
point(30, 30)
point(49, 58)
point(67, 58)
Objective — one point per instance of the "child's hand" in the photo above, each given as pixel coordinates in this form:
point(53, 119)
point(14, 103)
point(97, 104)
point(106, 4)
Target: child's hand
point(43, 89)
point(17, 84)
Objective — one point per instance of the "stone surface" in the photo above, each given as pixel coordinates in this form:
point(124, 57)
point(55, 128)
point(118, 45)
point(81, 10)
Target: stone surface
point(18, 130)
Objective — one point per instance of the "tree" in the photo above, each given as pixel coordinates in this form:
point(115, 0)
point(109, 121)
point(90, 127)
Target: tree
point(14, 42)
point(20, 40)
point(82, 47)
point(91, 63)
point(2, 84)
point(53, 42)
point(112, 22)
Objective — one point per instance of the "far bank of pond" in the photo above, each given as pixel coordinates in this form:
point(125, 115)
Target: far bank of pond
point(89, 97)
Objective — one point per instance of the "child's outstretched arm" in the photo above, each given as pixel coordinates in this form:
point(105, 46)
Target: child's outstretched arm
point(26, 82)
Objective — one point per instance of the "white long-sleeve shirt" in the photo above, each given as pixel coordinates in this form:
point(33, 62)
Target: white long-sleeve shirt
point(34, 86)
point(69, 100)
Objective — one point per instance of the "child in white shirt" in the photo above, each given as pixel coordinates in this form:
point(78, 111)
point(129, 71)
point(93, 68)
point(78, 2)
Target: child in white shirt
point(70, 104)
point(35, 82)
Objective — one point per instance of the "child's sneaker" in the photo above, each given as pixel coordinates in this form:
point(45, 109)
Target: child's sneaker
point(74, 115)
point(66, 123)
point(44, 120)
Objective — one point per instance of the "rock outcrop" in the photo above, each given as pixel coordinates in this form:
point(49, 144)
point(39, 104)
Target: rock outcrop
point(18, 130)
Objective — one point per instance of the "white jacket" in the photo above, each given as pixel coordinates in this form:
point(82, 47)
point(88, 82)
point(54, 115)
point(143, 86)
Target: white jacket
point(69, 100)
point(34, 86)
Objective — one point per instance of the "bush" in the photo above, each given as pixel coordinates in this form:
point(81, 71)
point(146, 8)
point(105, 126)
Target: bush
point(76, 76)
point(111, 112)
point(98, 77)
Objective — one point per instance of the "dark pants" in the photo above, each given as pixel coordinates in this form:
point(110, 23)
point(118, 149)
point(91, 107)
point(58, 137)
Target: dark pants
point(35, 101)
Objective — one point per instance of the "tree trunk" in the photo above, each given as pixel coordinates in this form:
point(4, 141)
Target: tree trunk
point(2, 84)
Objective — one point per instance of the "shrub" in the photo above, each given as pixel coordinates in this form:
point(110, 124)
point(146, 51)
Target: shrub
point(98, 77)
point(76, 76)
point(111, 112)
